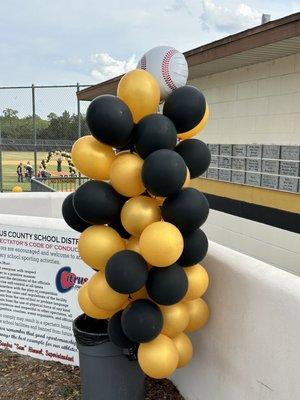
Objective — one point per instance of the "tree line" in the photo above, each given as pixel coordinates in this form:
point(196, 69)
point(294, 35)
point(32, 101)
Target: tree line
point(63, 127)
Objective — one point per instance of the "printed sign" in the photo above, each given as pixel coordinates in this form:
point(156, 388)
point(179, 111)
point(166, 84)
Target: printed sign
point(40, 277)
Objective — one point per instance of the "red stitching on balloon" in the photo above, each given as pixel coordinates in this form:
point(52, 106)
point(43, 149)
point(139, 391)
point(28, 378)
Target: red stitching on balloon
point(143, 62)
point(165, 69)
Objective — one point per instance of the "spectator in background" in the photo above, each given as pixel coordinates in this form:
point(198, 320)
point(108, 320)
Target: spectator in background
point(20, 172)
point(29, 171)
point(41, 172)
point(59, 161)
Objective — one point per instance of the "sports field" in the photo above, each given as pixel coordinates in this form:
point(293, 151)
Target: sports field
point(10, 161)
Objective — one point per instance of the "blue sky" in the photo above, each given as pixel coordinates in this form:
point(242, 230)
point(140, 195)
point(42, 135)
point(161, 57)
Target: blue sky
point(55, 42)
point(87, 41)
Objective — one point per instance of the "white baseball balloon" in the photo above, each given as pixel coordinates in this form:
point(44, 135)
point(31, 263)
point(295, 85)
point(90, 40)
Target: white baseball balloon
point(168, 66)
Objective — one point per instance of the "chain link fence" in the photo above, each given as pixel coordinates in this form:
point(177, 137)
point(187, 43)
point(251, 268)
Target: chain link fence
point(34, 122)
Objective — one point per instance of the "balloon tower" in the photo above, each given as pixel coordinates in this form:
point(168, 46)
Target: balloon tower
point(139, 219)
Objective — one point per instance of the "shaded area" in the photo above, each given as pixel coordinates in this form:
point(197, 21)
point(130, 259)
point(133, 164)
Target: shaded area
point(270, 216)
point(26, 378)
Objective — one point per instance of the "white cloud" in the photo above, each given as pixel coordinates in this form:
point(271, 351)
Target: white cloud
point(175, 6)
point(71, 61)
point(107, 67)
point(225, 18)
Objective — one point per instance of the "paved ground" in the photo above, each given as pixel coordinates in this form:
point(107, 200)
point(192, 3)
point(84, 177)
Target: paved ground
point(26, 378)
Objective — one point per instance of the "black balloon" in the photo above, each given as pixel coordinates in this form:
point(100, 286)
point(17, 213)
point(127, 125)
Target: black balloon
point(126, 271)
point(167, 286)
point(164, 172)
point(70, 215)
point(186, 107)
point(97, 202)
point(117, 226)
point(116, 333)
point(110, 120)
point(187, 209)
point(155, 132)
point(196, 156)
point(142, 321)
point(195, 248)
point(130, 145)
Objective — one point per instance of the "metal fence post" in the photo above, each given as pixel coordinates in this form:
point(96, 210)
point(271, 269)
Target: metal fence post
point(34, 128)
point(79, 124)
point(78, 113)
point(1, 166)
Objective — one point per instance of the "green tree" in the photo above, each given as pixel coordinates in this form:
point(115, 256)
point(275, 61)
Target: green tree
point(55, 127)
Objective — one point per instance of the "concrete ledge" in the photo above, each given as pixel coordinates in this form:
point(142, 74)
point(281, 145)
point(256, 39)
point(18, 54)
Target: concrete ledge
point(250, 348)
point(32, 204)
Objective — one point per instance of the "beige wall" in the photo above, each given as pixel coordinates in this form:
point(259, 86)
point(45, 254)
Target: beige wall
point(255, 104)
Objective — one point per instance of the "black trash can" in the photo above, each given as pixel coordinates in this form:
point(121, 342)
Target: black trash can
point(106, 372)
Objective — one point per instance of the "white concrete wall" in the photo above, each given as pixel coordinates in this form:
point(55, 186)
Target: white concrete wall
point(259, 103)
point(273, 245)
point(250, 349)
point(35, 204)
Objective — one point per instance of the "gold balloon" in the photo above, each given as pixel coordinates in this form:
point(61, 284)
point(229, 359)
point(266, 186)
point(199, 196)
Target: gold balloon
point(199, 313)
point(140, 294)
point(133, 244)
point(89, 308)
point(17, 189)
point(187, 179)
point(176, 319)
point(125, 304)
point(197, 129)
point(161, 244)
point(158, 358)
point(140, 91)
point(92, 158)
point(102, 295)
point(97, 244)
point(139, 212)
point(185, 349)
point(126, 175)
point(198, 281)
point(159, 200)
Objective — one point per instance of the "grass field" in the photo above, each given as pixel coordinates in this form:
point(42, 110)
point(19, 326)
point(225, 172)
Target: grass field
point(10, 161)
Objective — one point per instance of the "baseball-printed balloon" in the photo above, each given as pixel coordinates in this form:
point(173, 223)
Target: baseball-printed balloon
point(168, 66)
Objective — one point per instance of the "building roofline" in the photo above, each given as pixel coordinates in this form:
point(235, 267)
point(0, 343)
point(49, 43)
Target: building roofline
point(261, 35)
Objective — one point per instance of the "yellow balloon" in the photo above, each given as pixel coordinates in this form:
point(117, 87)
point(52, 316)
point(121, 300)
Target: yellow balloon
point(198, 281)
point(89, 308)
point(17, 189)
point(97, 244)
point(125, 304)
point(139, 212)
point(92, 158)
point(161, 244)
point(133, 244)
point(176, 319)
point(158, 358)
point(197, 129)
point(159, 200)
point(140, 294)
point(102, 295)
point(199, 314)
point(187, 179)
point(140, 91)
point(185, 349)
point(126, 175)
